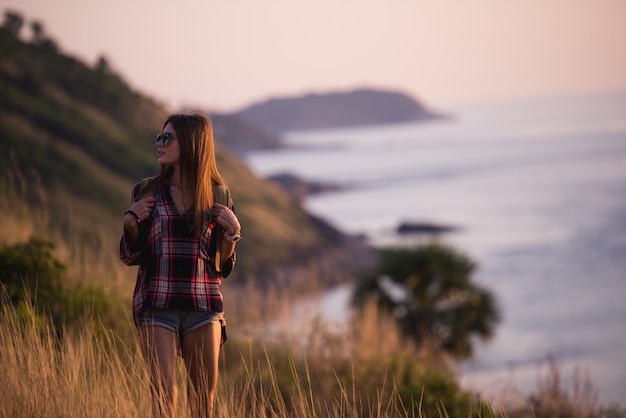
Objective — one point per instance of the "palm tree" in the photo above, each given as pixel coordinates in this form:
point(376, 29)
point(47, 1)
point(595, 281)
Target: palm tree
point(430, 292)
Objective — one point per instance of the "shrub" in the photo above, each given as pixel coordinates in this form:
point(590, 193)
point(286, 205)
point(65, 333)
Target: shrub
point(29, 270)
point(30, 274)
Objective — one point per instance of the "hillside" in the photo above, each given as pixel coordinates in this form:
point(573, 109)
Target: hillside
point(76, 139)
point(332, 110)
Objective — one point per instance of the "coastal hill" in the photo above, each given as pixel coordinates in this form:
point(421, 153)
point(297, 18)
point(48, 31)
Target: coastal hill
point(340, 109)
point(76, 139)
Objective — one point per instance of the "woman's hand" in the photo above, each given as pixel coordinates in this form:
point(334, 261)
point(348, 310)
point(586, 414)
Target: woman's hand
point(226, 218)
point(140, 210)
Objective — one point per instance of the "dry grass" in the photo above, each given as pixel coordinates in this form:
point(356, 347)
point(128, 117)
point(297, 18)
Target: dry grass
point(84, 374)
point(92, 372)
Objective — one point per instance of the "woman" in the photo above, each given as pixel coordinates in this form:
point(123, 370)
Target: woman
point(176, 231)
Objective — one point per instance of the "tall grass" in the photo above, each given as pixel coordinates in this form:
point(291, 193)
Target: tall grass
point(91, 373)
point(86, 373)
point(91, 369)
point(88, 369)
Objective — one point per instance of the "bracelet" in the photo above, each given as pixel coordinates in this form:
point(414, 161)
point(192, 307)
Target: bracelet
point(137, 218)
point(233, 237)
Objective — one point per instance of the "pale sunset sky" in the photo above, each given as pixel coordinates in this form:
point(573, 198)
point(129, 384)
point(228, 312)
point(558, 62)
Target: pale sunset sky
point(225, 54)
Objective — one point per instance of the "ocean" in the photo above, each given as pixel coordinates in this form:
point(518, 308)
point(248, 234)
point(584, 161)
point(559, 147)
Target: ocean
point(537, 190)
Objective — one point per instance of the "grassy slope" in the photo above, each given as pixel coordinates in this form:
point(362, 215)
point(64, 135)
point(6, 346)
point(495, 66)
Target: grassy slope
point(79, 137)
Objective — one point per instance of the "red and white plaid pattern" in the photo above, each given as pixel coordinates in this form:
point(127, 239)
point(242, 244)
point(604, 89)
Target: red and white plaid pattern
point(175, 267)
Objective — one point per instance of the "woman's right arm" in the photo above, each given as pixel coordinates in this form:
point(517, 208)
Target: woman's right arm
point(131, 228)
point(130, 245)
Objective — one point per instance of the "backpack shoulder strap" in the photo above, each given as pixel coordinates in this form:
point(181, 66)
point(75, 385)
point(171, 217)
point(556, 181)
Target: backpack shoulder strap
point(221, 194)
point(146, 188)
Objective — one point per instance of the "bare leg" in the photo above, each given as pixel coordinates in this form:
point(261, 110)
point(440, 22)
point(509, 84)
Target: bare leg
point(159, 349)
point(201, 350)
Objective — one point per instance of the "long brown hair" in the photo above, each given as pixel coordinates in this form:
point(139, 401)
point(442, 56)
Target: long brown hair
point(198, 164)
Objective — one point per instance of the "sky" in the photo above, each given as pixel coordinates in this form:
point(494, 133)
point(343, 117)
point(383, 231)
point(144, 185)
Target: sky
point(223, 55)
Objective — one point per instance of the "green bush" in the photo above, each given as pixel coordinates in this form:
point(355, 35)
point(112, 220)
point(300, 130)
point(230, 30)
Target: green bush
point(30, 271)
point(31, 275)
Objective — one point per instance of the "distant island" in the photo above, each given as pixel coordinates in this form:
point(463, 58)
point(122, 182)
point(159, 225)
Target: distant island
point(333, 110)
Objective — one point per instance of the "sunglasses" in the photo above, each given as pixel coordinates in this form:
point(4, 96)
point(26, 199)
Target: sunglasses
point(166, 138)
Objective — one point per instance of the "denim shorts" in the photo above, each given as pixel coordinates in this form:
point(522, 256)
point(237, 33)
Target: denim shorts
point(180, 322)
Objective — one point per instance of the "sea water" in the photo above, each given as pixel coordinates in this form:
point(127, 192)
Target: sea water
point(537, 190)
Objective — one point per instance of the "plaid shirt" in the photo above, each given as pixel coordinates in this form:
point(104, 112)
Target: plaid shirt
point(176, 269)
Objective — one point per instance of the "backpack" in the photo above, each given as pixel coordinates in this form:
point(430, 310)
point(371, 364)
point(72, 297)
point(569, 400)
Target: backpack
point(221, 194)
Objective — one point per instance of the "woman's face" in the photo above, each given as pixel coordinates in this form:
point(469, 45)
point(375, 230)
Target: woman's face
point(168, 154)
